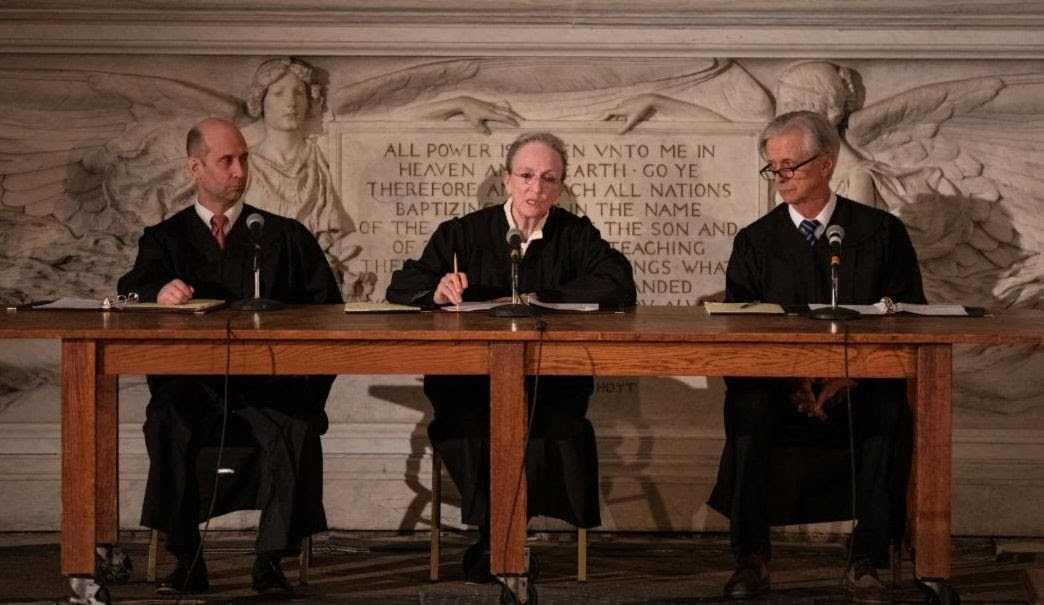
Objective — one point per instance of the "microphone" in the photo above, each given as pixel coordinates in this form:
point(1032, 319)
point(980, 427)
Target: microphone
point(514, 240)
point(255, 222)
point(835, 233)
point(516, 308)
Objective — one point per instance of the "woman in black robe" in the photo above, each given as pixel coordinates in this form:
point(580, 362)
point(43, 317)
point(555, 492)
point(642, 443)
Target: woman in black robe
point(564, 259)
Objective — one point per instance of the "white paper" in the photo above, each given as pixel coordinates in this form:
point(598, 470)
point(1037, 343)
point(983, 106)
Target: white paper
point(473, 306)
point(915, 309)
point(565, 306)
point(70, 302)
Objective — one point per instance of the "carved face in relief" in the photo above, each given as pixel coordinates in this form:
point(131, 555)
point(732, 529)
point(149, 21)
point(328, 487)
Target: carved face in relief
point(819, 86)
point(286, 103)
point(534, 183)
point(809, 188)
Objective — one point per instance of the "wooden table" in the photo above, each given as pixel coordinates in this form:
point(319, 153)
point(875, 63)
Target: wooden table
point(649, 341)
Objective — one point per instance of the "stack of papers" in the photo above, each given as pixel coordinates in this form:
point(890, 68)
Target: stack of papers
point(757, 308)
point(753, 308)
point(196, 305)
point(378, 307)
point(882, 309)
point(489, 304)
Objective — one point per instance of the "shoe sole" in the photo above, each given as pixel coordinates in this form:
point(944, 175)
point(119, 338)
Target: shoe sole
point(168, 591)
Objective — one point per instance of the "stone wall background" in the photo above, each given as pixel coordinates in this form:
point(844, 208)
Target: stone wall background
point(942, 118)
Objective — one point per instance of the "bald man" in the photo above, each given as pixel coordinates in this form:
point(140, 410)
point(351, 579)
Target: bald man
point(206, 251)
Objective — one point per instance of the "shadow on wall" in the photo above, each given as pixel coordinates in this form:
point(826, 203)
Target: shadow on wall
point(647, 472)
point(413, 398)
point(972, 253)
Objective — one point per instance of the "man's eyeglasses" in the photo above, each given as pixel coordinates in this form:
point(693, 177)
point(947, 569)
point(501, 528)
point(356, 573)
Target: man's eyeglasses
point(529, 178)
point(786, 173)
point(120, 300)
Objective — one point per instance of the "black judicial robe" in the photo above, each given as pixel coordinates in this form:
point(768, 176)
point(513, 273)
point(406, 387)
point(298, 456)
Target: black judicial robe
point(772, 262)
point(285, 415)
point(571, 263)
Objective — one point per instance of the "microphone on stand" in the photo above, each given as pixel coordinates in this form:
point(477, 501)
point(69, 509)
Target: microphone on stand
point(835, 234)
point(514, 240)
point(516, 308)
point(256, 224)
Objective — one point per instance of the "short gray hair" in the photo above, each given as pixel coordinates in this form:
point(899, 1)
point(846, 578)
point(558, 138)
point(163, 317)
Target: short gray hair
point(545, 138)
point(820, 136)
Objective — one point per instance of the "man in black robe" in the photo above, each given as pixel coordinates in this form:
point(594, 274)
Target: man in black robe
point(783, 258)
point(564, 259)
point(207, 251)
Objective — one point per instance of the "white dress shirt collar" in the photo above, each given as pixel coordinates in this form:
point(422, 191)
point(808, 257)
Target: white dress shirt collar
point(232, 214)
point(537, 233)
point(823, 217)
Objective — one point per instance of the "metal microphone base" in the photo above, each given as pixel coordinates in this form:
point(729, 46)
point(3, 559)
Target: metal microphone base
point(257, 304)
point(511, 310)
point(834, 313)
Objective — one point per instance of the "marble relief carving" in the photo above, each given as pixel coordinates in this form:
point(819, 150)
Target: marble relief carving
point(92, 156)
point(99, 155)
point(96, 156)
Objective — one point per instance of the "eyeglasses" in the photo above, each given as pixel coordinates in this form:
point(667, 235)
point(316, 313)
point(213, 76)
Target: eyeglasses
point(120, 300)
point(786, 173)
point(529, 178)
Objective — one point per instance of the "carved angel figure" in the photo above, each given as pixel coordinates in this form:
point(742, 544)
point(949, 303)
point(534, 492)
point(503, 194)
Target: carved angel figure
point(90, 162)
point(101, 155)
point(956, 161)
point(289, 173)
point(960, 162)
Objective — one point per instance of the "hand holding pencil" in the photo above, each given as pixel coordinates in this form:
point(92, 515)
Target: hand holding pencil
point(451, 287)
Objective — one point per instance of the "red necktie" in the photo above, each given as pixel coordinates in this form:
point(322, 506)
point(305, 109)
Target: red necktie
point(217, 228)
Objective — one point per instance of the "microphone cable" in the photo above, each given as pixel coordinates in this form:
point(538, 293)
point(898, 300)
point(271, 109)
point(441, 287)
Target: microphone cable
point(221, 451)
point(541, 327)
point(851, 441)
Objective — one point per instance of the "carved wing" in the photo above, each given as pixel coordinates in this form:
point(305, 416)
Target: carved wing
point(401, 87)
point(544, 89)
point(89, 158)
point(962, 163)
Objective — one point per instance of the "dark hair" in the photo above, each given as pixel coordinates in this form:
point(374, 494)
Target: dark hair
point(195, 144)
point(546, 138)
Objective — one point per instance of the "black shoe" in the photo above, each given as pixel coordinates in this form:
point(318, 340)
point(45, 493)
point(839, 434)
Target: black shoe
point(750, 580)
point(476, 564)
point(268, 575)
point(181, 582)
point(862, 583)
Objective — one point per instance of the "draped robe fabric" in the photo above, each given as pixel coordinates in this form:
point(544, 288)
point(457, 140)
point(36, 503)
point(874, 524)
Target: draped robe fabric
point(804, 476)
point(283, 416)
point(571, 263)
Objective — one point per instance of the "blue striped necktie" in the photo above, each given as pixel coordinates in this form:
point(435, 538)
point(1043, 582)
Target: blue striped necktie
point(808, 230)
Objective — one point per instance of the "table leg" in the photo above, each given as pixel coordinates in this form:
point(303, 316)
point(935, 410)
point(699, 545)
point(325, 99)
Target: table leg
point(933, 437)
point(80, 390)
point(107, 442)
point(507, 427)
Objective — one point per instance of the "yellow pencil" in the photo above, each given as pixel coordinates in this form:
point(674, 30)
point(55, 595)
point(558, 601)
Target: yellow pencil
point(455, 271)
